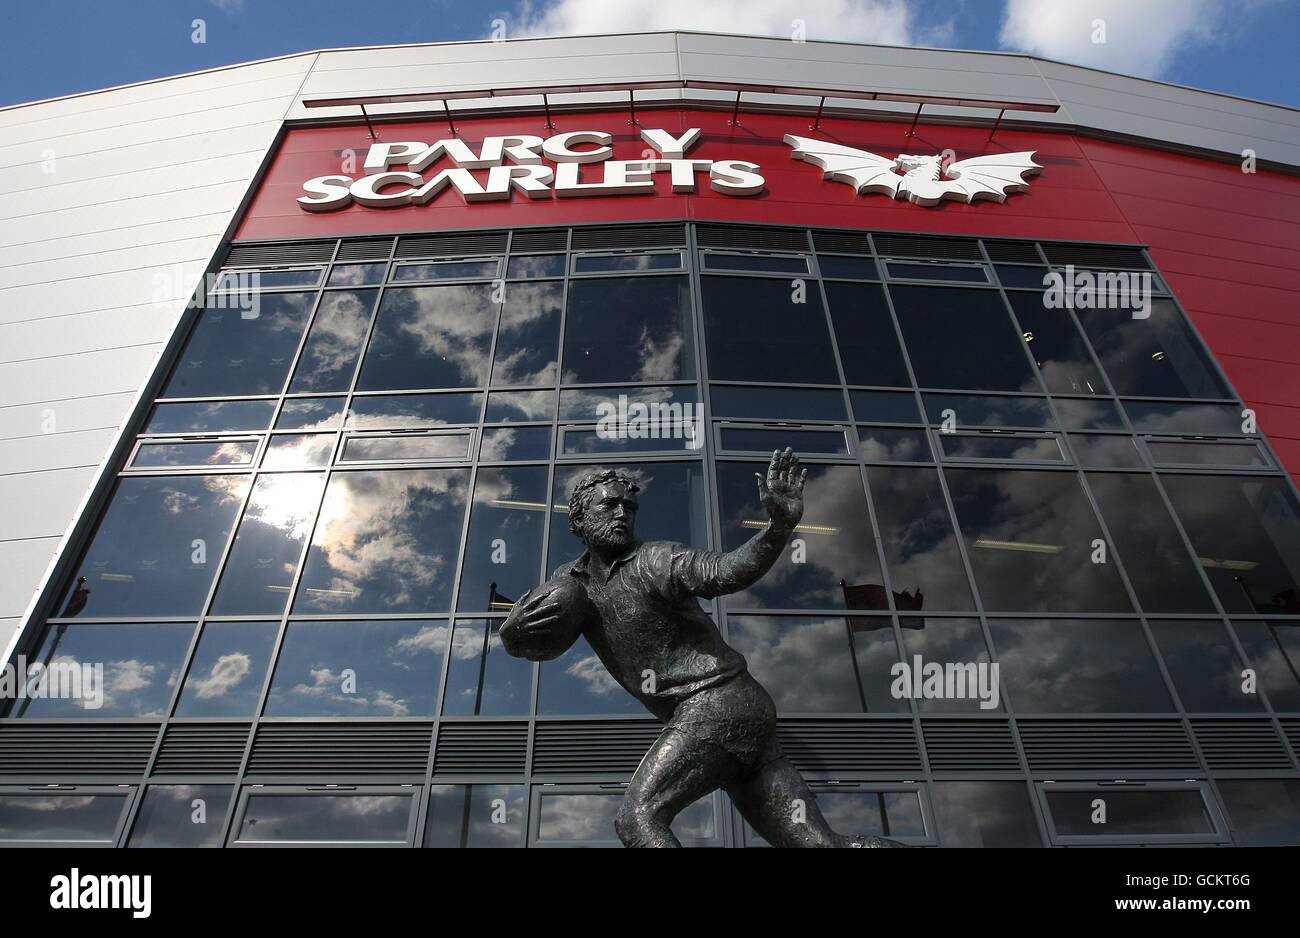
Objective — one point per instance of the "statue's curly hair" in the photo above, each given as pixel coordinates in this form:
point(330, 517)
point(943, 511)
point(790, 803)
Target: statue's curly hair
point(585, 486)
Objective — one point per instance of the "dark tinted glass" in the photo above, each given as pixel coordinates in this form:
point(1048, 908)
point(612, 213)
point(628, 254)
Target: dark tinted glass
point(520, 406)
point(356, 275)
point(207, 453)
point(1273, 648)
point(386, 542)
point(962, 339)
point(1165, 417)
point(482, 680)
point(319, 819)
point(649, 339)
point(885, 406)
point(1206, 669)
point(971, 410)
point(259, 572)
point(333, 345)
point(1059, 350)
point(476, 816)
point(1163, 574)
point(576, 818)
point(804, 442)
point(346, 668)
point(1078, 414)
point(503, 554)
point(528, 342)
point(526, 266)
point(1144, 813)
point(1153, 357)
point(601, 263)
point(673, 439)
point(228, 670)
point(1001, 447)
point(1029, 277)
point(182, 816)
point(157, 549)
point(1263, 812)
point(408, 411)
point(831, 561)
point(82, 817)
point(1106, 450)
point(447, 270)
point(729, 400)
point(588, 406)
point(1030, 537)
point(270, 279)
point(854, 268)
point(774, 264)
point(864, 332)
point(1246, 534)
point(1206, 454)
point(211, 416)
point(1078, 666)
point(311, 413)
point(769, 330)
point(299, 451)
point(921, 552)
point(577, 683)
point(512, 444)
point(885, 813)
point(234, 352)
point(904, 271)
point(984, 814)
point(407, 448)
point(820, 665)
point(140, 662)
point(894, 444)
point(957, 646)
point(431, 337)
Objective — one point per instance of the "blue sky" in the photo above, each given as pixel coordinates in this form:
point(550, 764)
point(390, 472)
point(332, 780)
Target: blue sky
point(1244, 47)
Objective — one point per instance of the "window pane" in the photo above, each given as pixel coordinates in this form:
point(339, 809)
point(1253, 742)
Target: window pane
point(386, 542)
point(1246, 534)
point(1153, 357)
point(321, 819)
point(344, 668)
point(482, 680)
point(299, 451)
point(970, 410)
point(355, 275)
point(269, 279)
point(1169, 453)
point(235, 352)
point(1028, 277)
point(885, 814)
point(476, 816)
point(1001, 447)
point(885, 406)
point(527, 350)
point(1132, 813)
point(766, 330)
point(820, 665)
point(773, 263)
point(962, 339)
point(577, 683)
point(311, 413)
point(588, 405)
point(108, 670)
point(925, 565)
point(650, 338)
point(412, 411)
point(182, 816)
point(1030, 537)
point(1164, 417)
point(228, 670)
point(957, 646)
point(1205, 668)
point(838, 568)
point(503, 553)
point(894, 444)
point(206, 453)
point(576, 818)
point(45, 817)
point(211, 417)
point(731, 400)
point(1264, 812)
point(1078, 414)
point(1274, 651)
point(864, 332)
point(448, 270)
point(854, 268)
point(527, 266)
point(1150, 547)
point(668, 438)
point(333, 345)
point(406, 448)
point(984, 814)
point(803, 442)
point(1057, 347)
point(512, 444)
point(1078, 666)
point(259, 572)
point(906, 271)
point(600, 263)
point(1106, 450)
point(157, 548)
point(521, 406)
point(430, 337)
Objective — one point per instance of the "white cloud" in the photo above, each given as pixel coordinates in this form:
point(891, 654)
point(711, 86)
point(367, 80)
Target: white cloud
point(1142, 37)
point(879, 21)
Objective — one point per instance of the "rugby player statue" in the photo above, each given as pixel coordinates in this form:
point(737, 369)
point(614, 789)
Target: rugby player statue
point(636, 604)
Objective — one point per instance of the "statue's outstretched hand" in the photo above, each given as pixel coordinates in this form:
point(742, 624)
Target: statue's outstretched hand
point(782, 491)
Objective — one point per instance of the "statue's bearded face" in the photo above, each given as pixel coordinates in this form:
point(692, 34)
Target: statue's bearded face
point(609, 518)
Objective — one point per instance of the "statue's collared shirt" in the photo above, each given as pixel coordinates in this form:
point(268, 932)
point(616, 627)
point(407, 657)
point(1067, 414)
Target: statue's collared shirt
point(648, 620)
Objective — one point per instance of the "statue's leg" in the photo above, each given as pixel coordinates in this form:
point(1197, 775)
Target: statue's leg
point(780, 806)
point(678, 770)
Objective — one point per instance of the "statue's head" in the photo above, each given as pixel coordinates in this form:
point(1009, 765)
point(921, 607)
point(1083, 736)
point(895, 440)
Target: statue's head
point(602, 509)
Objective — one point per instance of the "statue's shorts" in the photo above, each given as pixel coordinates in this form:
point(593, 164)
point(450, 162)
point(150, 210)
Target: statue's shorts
point(737, 716)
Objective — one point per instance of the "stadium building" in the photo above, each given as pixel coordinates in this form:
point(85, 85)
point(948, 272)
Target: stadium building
point(300, 357)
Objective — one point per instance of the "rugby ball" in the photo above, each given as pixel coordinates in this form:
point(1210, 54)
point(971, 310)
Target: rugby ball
point(539, 631)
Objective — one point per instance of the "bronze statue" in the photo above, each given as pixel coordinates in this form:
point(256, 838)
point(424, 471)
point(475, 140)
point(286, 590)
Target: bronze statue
point(636, 604)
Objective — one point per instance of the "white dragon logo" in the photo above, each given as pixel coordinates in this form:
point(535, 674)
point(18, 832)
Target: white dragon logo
point(923, 179)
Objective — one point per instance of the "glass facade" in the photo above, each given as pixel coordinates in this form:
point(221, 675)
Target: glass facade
point(357, 461)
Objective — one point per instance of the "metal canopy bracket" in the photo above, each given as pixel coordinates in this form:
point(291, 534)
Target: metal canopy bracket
point(911, 131)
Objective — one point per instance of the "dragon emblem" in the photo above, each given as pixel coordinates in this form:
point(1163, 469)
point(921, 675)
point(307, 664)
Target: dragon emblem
point(921, 179)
